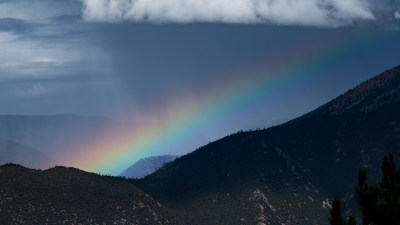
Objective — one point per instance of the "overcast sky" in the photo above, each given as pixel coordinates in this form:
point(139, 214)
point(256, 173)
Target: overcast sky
point(123, 58)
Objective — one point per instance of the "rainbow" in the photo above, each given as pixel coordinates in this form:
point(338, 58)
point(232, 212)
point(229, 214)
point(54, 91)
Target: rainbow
point(116, 150)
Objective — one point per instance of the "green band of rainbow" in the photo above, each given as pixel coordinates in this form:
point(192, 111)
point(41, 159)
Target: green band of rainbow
point(115, 151)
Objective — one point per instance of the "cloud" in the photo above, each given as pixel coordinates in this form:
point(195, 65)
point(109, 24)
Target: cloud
point(44, 60)
point(16, 26)
point(37, 9)
point(289, 12)
point(31, 90)
point(397, 15)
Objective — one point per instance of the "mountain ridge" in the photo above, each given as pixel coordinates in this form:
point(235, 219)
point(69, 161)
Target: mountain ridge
point(286, 174)
point(65, 195)
point(290, 171)
point(370, 95)
point(146, 166)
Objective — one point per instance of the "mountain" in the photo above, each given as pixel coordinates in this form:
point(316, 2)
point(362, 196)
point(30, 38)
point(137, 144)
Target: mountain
point(51, 135)
point(147, 166)
point(287, 174)
point(62, 195)
point(370, 95)
point(14, 152)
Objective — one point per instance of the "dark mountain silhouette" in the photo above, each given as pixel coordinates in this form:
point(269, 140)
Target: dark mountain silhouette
point(147, 166)
point(70, 196)
point(287, 174)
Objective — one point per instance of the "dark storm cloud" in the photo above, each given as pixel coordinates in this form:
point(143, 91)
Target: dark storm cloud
point(51, 62)
point(56, 54)
point(69, 19)
point(385, 11)
point(41, 19)
point(17, 26)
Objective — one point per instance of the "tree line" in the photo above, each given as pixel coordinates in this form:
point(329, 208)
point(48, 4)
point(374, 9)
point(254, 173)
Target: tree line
point(378, 203)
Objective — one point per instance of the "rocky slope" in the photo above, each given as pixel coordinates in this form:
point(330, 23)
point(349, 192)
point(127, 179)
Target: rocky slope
point(70, 196)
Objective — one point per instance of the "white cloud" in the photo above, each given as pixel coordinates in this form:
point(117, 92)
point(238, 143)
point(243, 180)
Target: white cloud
point(397, 15)
point(304, 12)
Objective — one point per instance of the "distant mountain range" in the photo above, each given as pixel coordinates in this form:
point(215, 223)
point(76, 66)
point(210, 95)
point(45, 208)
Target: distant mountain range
point(286, 174)
point(36, 141)
point(12, 151)
point(147, 166)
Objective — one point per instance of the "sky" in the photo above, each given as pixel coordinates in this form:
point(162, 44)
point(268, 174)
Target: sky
point(197, 69)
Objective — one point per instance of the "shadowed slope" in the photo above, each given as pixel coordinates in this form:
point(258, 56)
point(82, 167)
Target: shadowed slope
point(289, 173)
point(69, 196)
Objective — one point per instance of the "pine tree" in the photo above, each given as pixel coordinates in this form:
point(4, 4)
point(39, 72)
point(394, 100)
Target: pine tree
point(336, 213)
point(352, 221)
point(379, 203)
